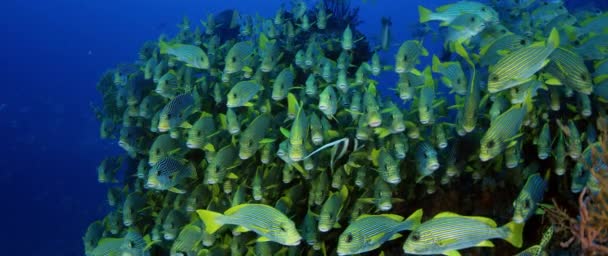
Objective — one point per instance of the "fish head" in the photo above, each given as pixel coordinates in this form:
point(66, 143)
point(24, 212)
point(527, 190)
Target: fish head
point(157, 180)
point(523, 207)
point(489, 149)
point(195, 138)
point(420, 242)
point(285, 232)
point(351, 242)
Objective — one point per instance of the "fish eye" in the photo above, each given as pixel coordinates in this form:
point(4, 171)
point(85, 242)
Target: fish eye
point(415, 236)
point(583, 77)
point(491, 144)
point(158, 173)
point(234, 95)
point(494, 78)
point(404, 57)
point(282, 228)
point(483, 9)
point(131, 244)
point(198, 133)
point(522, 42)
point(576, 42)
point(472, 19)
point(158, 151)
point(233, 59)
point(503, 31)
point(169, 116)
point(349, 238)
point(458, 81)
point(515, 89)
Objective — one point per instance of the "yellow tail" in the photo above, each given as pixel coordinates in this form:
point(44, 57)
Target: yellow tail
point(210, 219)
point(425, 14)
point(514, 233)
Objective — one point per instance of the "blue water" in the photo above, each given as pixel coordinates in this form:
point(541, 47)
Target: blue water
point(53, 54)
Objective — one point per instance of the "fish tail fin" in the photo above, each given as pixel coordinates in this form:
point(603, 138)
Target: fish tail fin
point(211, 220)
point(425, 14)
point(553, 39)
point(413, 221)
point(164, 46)
point(436, 64)
point(513, 233)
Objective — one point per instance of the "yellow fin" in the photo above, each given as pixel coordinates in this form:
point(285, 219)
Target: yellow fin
point(485, 243)
point(241, 229)
point(451, 253)
point(210, 219)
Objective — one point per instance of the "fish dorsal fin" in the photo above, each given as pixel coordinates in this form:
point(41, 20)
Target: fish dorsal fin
point(393, 217)
point(263, 239)
point(234, 209)
point(485, 220)
point(485, 243)
point(451, 253)
point(446, 214)
point(241, 229)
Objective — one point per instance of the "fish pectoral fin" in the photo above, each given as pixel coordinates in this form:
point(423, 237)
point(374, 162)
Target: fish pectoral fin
point(177, 190)
point(395, 236)
point(446, 242)
point(241, 229)
point(451, 253)
point(485, 243)
point(263, 239)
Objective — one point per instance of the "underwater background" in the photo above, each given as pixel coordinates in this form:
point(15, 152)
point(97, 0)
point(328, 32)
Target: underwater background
point(55, 52)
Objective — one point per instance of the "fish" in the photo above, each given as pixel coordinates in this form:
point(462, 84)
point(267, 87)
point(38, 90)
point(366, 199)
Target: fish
point(448, 232)
point(347, 39)
point(526, 203)
point(238, 57)
point(427, 162)
point(520, 66)
point(249, 140)
point(107, 169)
point(569, 68)
point(328, 102)
point(388, 167)
point(266, 221)
point(543, 142)
point(187, 240)
point(191, 55)
point(174, 114)
point(168, 173)
point(426, 113)
point(385, 41)
point(502, 132)
point(173, 223)
point(331, 210)
point(132, 207)
point(162, 146)
point(463, 28)
point(448, 13)
point(202, 131)
point(282, 84)
point(241, 93)
point(217, 168)
point(369, 232)
point(452, 75)
point(408, 56)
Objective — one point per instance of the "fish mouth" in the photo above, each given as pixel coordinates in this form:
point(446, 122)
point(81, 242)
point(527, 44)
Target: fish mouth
point(127, 223)
point(385, 206)
point(169, 236)
point(323, 107)
point(163, 128)
point(191, 145)
point(323, 229)
point(484, 158)
point(244, 156)
point(277, 98)
point(375, 123)
point(399, 70)
point(518, 219)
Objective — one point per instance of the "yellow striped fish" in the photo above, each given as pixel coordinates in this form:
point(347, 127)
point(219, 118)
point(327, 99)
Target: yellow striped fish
point(448, 232)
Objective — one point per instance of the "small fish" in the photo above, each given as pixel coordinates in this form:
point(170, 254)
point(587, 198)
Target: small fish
point(385, 41)
point(173, 223)
point(331, 210)
point(187, 240)
point(168, 173)
point(569, 68)
point(448, 232)
point(225, 158)
point(408, 56)
point(347, 39)
point(543, 142)
point(502, 132)
point(368, 232)
point(162, 146)
point(492, 52)
point(241, 93)
point(427, 162)
point(175, 112)
point(266, 221)
point(452, 75)
point(201, 132)
point(132, 207)
point(328, 101)
point(249, 140)
point(520, 66)
point(463, 28)
point(107, 169)
point(233, 124)
point(192, 55)
point(426, 112)
point(528, 199)
point(448, 13)
point(282, 84)
point(238, 57)
point(388, 167)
